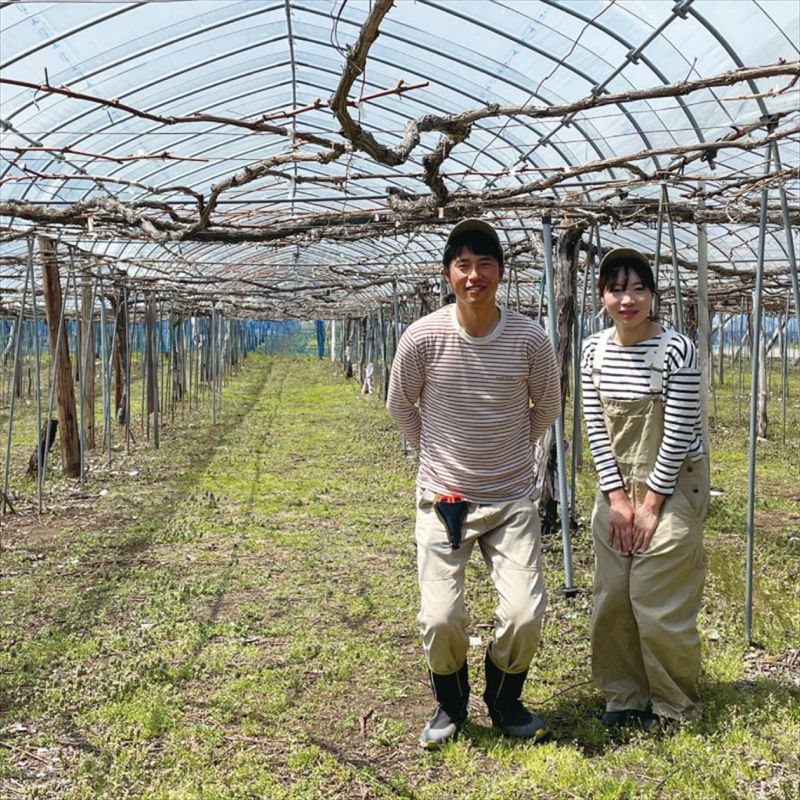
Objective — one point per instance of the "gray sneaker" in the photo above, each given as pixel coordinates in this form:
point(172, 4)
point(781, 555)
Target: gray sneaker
point(452, 694)
point(440, 728)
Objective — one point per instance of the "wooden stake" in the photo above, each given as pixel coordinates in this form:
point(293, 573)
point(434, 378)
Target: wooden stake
point(87, 362)
point(65, 394)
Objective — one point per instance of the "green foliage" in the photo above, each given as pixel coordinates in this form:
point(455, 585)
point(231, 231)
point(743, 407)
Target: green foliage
point(236, 620)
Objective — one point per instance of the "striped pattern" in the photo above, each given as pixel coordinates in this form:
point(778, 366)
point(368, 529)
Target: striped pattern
point(624, 376)
point(465, 403)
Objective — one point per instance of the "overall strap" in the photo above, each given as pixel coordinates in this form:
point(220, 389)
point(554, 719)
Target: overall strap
point(599, 352)
point(656, 359)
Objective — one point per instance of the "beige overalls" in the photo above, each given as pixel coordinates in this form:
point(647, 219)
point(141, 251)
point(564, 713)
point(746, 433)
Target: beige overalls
point(645, 644)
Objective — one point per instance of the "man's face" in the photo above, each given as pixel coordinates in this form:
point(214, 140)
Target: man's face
point(474, 279)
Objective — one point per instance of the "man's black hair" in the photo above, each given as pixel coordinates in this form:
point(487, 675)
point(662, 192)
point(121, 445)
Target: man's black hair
point(477, 242)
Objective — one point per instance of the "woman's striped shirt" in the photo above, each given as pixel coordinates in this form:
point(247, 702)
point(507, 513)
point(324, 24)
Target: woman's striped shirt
point(624, 375)
point(465, 403)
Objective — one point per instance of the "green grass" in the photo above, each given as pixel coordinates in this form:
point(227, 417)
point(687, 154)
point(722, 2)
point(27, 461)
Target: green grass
point(232, 616)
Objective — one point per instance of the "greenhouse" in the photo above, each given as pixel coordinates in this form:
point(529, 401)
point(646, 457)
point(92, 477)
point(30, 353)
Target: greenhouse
point(219, 222)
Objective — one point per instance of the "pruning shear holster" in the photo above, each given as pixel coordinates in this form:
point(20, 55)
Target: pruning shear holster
point(451, 510)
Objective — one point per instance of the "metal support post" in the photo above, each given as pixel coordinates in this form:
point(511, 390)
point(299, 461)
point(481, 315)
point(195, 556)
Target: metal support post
point(790, 254)
point(676, 276)
point(751, 454)
point(38, 355)
point(559, 424)
point(17, 352)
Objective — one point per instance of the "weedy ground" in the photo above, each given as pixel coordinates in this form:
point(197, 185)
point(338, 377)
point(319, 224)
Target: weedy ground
point(232, 616)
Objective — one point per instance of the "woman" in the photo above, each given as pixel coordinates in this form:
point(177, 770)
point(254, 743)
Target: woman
point(641, 388)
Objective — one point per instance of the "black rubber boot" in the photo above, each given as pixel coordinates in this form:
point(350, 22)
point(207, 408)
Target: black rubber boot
point(625, 717)
point(503, 690)
point(452, 694)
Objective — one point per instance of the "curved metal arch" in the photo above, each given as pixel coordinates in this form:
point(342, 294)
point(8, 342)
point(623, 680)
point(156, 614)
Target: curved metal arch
point(731, 52)
point(161, 45)
point(386, 111)
point(464, 62)
point(400, 177)
point(71, 32)
point(547, 55)
point(358, 247)
point(197, 65)
point(631, 49)
point(272, 39)
point(325, 69)
point(219, 246)
point(777, 27)
point(683, 237)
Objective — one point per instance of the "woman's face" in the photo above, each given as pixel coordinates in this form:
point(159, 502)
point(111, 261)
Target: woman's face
point(628, 300)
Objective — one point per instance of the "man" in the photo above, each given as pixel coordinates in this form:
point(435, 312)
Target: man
point(461, 389)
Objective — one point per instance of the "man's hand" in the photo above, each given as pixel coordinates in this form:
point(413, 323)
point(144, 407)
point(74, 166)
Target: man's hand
point(620, 522)
point(646, 520)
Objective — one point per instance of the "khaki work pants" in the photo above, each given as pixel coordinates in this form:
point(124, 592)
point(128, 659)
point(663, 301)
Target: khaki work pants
point(645, 643)
point(508, 535)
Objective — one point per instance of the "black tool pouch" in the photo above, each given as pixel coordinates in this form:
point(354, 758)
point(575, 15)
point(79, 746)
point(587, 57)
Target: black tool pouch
point(452, 513)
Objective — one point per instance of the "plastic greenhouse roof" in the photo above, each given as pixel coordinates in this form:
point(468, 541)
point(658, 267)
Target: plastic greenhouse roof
point(119, 119)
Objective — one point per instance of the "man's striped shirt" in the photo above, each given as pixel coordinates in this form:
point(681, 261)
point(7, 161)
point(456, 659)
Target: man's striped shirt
point(465, 403)
point(624, 375)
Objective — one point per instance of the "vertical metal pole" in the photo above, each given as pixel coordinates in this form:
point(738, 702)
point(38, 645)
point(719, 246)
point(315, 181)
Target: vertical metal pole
point(221, 357)
point(576, 387)
point(106, 372)
point(787, 228)
point(154, 344)
point(596, 323)
point(560, 455)
point(190, 359)
point(784, 368)
point(17, 351)
point(198, 344)
point(127, 366)
point(213, 364)
point(542, 289)
point(659, 232)
point(676, 276)
point(751, 454)
point(38, 356)
point(395, 317)
point(81, 377)
point(742, 333)
point(703, 324)
point(145, 430)
point(162, 389)
point(111, 403)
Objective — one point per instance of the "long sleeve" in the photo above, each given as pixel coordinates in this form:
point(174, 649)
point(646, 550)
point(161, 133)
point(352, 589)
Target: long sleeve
point(608, 474)
point(544, 386)
point(405, 387)
point(681, 414)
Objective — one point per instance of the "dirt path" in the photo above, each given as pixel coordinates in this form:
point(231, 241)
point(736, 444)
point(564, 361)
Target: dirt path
point(233, 616)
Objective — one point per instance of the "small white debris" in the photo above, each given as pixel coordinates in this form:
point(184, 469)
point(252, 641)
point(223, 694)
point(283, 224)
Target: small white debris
point(474, 641)
point(17, 727)
point(133, 473)
point(103, 492)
